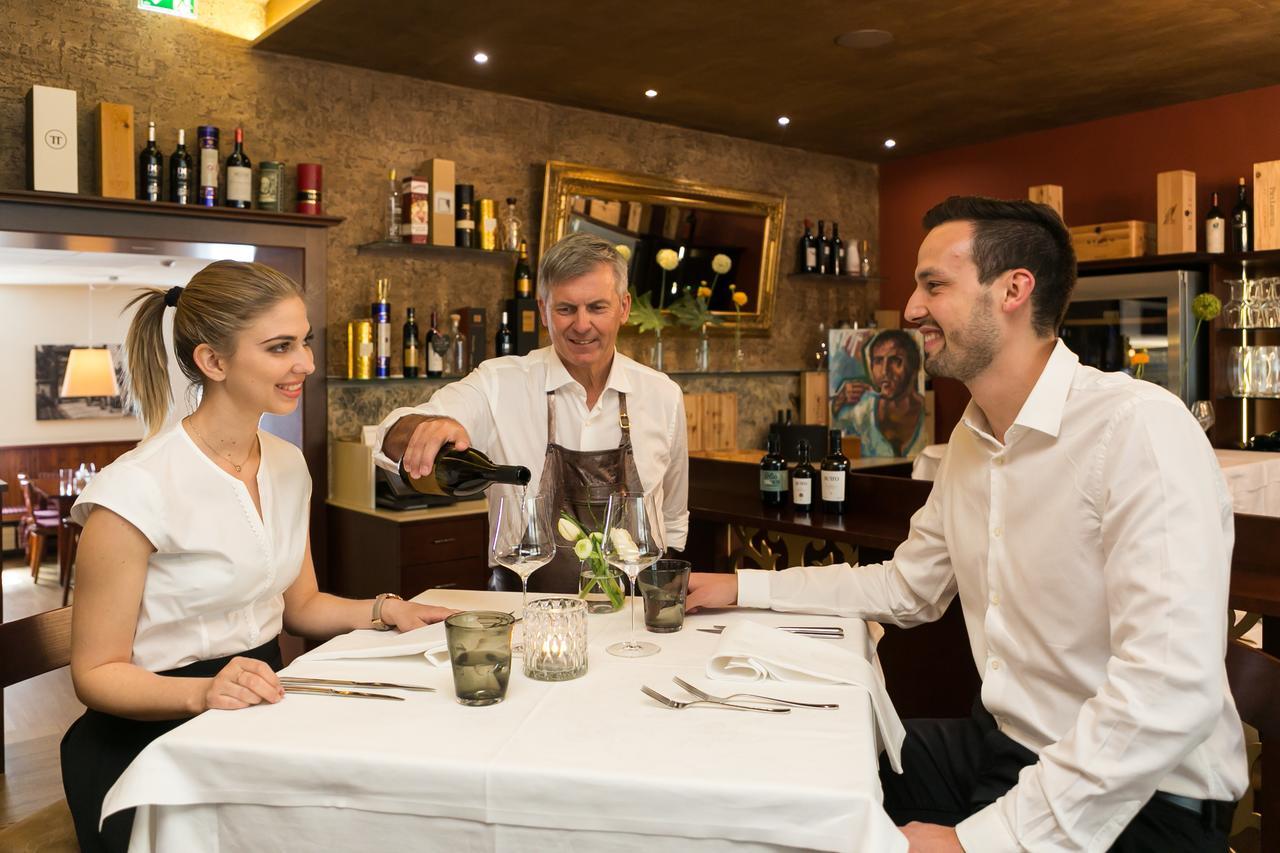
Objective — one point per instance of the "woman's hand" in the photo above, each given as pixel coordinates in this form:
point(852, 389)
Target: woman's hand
point(241, 683)
point(407, 615)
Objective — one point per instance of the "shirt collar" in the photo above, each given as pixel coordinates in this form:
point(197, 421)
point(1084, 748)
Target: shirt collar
point(558, 376)
point(1044, 406)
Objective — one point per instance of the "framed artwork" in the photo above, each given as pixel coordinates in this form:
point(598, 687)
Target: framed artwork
point(875, 385)
point(51, 364)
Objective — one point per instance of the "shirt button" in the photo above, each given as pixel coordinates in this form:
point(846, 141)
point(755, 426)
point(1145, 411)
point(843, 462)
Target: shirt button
point(995, 598)
point(996, 532)
point(999, 460)
point(995, 663)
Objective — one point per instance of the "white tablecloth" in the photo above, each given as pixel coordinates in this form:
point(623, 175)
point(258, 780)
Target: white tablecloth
point(590, 764)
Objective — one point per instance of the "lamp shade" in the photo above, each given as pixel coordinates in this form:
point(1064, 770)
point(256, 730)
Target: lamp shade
point(90, 373)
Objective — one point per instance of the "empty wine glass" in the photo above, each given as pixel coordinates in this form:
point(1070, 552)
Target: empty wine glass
point(523, 537)
point(1231, 312)
point(1202, 411)
point(629, 545)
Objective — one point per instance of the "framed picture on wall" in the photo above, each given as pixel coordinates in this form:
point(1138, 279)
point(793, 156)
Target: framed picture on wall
point(875, 385)
point(51, 369)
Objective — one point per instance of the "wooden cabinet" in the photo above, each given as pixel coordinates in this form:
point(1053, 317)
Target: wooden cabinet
point(374, 551)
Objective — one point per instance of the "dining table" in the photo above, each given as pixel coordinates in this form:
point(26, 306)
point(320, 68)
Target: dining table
point(587, 764)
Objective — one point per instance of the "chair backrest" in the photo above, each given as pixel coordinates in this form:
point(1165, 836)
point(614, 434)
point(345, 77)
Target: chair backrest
point(34, 645)
point(24, 485)
point(1255, 683)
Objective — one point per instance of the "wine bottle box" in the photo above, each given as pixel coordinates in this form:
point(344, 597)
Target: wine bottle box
point(1128, 239)
point(440, 175)
point(473, 326)
point(1266, 204)
point(1176, 220)
point(115, 150)
point(415, 210)
point(523, 314)
point(52, 141)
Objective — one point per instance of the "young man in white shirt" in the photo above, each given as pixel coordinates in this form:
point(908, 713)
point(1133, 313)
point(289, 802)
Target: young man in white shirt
point(1084, 523)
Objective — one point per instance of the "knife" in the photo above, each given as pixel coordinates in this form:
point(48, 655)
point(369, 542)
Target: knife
point(338, 682)
point(334, 691)
point(817, 631)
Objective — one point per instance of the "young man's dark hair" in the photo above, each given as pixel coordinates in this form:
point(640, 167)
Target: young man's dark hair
point(1012, 234)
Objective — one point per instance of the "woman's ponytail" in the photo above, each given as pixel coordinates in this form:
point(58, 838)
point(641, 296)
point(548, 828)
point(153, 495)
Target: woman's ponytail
point(147, 384)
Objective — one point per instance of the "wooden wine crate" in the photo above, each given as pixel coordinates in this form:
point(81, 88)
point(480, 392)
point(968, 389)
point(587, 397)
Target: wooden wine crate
point(115, 151)
point(1266, 205)
point(1176, 222)
point(1128, 239)
point(1049, 194)
point(712, 421)
point(813, 397)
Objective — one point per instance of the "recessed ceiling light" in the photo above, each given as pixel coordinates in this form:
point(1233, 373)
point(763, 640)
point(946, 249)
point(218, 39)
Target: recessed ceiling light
point(784, 121)
point(863, 39)
point(481, 58)
point(651, 93)
point(889, 143)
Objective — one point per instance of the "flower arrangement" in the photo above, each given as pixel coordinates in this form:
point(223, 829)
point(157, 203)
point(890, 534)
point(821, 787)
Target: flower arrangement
point(588, 547)
point(1139, 361)
point(739, 300)
point(644, 316)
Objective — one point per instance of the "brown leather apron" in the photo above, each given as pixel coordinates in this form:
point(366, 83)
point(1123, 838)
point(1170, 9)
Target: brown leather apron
point(579, 482)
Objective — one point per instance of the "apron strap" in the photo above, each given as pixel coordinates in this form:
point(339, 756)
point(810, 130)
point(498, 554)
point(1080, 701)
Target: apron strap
point(623, 420)
point(551, 417)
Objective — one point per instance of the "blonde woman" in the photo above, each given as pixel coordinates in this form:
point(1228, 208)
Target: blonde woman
point(195, 549)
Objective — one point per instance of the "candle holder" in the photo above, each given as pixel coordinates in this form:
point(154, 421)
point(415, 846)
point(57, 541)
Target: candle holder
point(555, 639)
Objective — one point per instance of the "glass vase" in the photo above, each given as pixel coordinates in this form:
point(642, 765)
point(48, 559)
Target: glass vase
point(602, 588)
point(657, 352)
point(704, 351)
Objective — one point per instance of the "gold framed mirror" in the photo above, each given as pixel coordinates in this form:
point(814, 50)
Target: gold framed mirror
point(697, 221)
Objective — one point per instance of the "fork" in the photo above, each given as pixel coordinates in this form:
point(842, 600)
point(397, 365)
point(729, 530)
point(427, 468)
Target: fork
point(707, 697)
point(672, 703)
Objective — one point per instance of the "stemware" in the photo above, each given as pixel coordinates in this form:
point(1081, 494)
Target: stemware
point(523, 537)
point(629, 545)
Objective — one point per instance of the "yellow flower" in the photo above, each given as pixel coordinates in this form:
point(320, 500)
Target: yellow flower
point(704, 293)
point(623, 250)
point(1140, 358)
point(668, 259)
point(721, 264)
point(739, 299)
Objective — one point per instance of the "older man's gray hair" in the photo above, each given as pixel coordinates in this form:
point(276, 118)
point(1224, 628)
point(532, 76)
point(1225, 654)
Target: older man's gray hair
point(576, 255)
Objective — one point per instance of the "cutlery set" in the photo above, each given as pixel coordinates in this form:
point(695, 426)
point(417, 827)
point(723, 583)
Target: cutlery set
point(751, 701)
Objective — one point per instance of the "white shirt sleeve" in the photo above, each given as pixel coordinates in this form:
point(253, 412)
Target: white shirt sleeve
point(675, 482)
point(466, 401)
point(131, 493)
point(1167, 543)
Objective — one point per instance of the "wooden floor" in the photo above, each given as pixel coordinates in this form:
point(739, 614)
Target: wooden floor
point(36, 712)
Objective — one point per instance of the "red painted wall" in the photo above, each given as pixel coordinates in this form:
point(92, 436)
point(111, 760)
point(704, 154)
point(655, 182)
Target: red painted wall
point(1107, 169)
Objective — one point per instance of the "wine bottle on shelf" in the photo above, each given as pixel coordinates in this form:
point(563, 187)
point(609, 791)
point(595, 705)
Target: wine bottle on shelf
point(208, 139)
point(459, 353)
point(511, 227)
point(380, 313)
point(802, 478)
point(773, 474)
point(464, 231)
point(1241, 219)
point(239, 175)
point(808, 252)
point(523, 277)
point(835, 470)
point(836, 266)
point(391, 210)
point(412, 352)
point(180, 170)
point(824, 249)
point(150, 166)
point(1215, 227)
point(463, 473)
point(434, 353)
point(504, 343)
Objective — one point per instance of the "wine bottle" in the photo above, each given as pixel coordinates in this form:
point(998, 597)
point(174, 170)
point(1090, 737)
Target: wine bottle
point(180, 168)
point(835, 468)
point(435, 355)
point(837, 251)
point(773, 474)
point(1215, 227)
point(1241, 217)
point(808, 253)
point(459, 353)
point(150, 166)
point(824, 249)
point(523, 276)
point(464, 231)
point(380, 312)
point(412, 354)
point(504, 343)
point(208, 138)
point(463, 473)
point(239, 175)
point(802, 480)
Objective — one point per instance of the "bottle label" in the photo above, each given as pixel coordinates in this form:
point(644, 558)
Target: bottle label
point(383, 331)
point(810, 257)
point(435, 362)
point(773, 481)
point(444, 202)
point(411, 356)
point(802, 491)
point(239, 184)
point(833, 486)
point(523, 286)
point(1215, 235)
point(268, 187)
point(209, 167)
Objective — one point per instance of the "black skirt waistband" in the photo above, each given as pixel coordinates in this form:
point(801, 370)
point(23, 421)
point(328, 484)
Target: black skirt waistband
point(268, 653)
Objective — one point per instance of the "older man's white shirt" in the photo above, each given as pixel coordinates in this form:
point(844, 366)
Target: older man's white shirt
point(502, 404)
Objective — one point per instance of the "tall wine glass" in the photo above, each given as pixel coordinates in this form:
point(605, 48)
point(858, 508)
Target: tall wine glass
point(629, 545)
point(524, 537)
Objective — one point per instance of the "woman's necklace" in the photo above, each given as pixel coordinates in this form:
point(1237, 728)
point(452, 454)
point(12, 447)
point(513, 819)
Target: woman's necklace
point(192, 423)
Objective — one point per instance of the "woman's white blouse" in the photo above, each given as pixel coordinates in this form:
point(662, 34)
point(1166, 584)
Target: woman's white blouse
point(215, 583)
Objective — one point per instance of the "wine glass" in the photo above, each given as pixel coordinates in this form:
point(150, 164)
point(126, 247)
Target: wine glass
point(1202, 411)
point(524, 537)
point(629, 545)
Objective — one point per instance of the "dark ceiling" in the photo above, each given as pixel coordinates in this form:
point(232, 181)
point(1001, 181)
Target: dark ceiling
point(955, 73)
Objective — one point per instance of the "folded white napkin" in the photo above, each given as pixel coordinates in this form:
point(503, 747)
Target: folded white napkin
point(428, 640)
point(749, 651)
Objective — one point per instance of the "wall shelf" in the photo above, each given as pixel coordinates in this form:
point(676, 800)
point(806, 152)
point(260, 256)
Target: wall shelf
point(832, 279)
point(426, 250)
point(167, 208)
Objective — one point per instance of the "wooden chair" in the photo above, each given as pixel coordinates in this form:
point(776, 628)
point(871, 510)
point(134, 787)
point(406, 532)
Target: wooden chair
point(67, 556)
point(1254, 676)
point(31, 647)
point(38, 524)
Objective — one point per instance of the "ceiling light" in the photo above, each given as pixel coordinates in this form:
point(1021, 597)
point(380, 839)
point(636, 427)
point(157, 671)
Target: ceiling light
point(481, 58)
point(651, 93)
point(783, 121)
point(889, 143)
point(864, 39)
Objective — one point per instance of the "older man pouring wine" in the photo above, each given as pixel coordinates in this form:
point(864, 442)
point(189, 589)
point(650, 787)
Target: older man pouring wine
point(585, 419)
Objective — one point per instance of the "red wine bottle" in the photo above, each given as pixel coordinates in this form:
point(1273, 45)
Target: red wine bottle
point(412, 352)
point(836, 266)
point(181, 169)
point(824, 250)
point(807, 255)
point(504, 343)
point(150, 166)
point(1241, 216)
point(802, 480)
point(835, 470)
point(239, 175)
point(773, 474)
point(433, 350)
